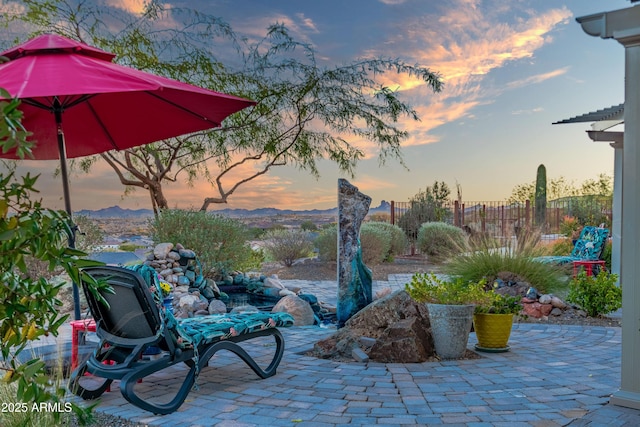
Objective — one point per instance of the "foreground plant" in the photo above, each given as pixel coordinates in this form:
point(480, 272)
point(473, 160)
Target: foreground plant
point(597, 295)
point(428, 288)
point(485, 261)
point(30, 308)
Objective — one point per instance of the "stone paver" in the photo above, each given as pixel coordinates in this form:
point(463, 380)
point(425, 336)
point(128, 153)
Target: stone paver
point(554, 375)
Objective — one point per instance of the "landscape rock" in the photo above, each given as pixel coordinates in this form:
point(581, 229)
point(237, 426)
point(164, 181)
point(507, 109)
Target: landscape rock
point(558, 303)
point(556, 312)
point(405, 341)
point(217, 307)
point(172, 255)
point(188, 302)
point(545, 299)
point(161, 250)
point(297, 307)
point(395, 326)
point(273, 282)
point(186, 253)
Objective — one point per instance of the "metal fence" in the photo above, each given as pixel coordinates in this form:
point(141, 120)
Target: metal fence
point(499, 219)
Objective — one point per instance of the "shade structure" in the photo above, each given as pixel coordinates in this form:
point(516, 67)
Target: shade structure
point(77, 103)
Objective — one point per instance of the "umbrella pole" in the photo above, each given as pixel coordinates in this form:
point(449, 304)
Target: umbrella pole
point(67, 197)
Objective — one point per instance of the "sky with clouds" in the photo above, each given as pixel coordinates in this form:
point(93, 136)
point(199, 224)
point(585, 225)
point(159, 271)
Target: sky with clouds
point(510, 67)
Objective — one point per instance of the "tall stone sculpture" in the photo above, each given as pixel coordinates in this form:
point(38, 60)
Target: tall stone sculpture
point(354, 278)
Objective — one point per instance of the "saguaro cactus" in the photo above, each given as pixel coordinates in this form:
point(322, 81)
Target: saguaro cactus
point(541, 196)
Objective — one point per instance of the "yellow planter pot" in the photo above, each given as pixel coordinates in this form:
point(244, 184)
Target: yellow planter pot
point(492, 331)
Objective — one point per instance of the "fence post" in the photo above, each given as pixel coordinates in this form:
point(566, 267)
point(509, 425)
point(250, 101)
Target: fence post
point(456, 213)
point(462, 216)
point(527, 214)
point(503, 220)
point(393, 213)
point(483, 219)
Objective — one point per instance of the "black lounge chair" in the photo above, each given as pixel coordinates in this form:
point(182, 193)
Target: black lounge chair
point(133, 321)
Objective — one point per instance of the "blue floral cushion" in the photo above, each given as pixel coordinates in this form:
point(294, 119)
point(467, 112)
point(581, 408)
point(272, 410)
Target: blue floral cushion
point(588, 247)
point(208, 329)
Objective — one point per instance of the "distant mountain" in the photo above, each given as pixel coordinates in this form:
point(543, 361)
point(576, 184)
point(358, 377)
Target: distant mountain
point(118, 212)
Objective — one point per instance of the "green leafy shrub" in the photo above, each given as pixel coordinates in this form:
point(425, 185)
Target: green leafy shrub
point(375, 242)
point(286, 246)
point(30, 307)
point(428, 288)
point(219, 242)
point(486, 261)
point(327, 243)
point(440, 240)
point(500, 304)
point(597, 295)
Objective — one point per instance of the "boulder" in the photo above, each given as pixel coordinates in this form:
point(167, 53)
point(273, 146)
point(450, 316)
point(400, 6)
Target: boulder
point(405, 341)
point(558, 303)
point(273, 282)
point(399, 325)
point(162, 250)
point(297, 307)
point(173, 255)
point(217, 307)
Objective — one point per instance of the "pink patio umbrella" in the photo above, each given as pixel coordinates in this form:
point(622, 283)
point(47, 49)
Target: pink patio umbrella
point(77, 102)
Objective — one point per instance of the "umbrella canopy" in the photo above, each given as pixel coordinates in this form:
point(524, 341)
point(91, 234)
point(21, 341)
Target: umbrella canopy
point(104, 106)
point(77, 102)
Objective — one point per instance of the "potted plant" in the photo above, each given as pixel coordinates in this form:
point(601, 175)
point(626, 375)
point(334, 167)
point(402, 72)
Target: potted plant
point(492, 322)
point(451, 304)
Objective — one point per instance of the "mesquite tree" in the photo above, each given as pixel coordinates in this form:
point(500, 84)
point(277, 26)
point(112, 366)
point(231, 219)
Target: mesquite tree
point(306, 111)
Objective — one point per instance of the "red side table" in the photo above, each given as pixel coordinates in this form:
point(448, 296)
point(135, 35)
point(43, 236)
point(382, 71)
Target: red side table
point(78, 327)
point(588, 266)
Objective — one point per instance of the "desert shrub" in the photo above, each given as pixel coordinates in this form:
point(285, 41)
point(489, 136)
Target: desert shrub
point(398, 239)
point(308, 225)
point(429, 205)
point(327, 243)
point(256, 233)
point(570, 227)
point(486, 261)
point(219, 242)
point(597, 295)
point(89, 234)
point(380, 242)
point(375, 242)
point(286, 246)
point(440, 240)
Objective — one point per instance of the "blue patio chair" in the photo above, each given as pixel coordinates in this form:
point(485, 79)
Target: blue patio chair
point(134, 320)
point(588, 247)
